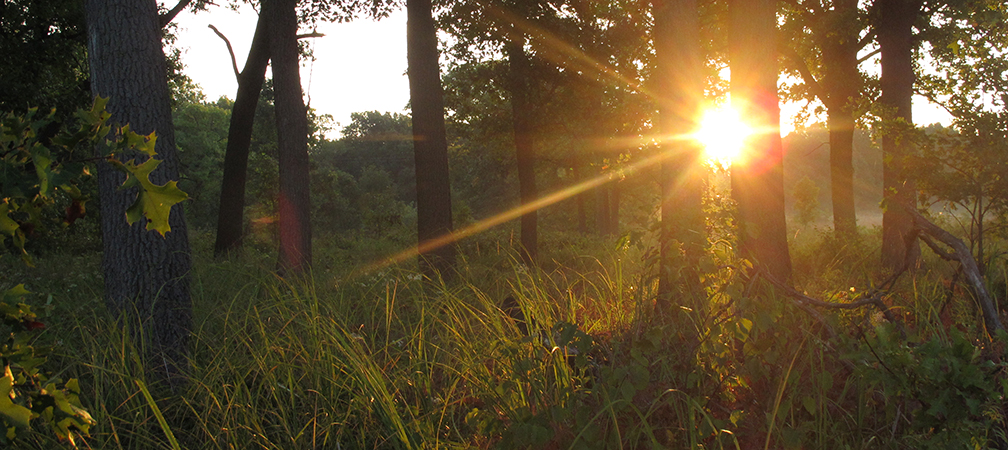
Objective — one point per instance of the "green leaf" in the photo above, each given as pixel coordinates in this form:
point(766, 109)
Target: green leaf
point(7, 225)
point(152, 201)
point(810, 405)
point(14, 294)
point(13, 414)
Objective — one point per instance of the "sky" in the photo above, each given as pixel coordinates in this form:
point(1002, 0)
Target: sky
point(360, 66)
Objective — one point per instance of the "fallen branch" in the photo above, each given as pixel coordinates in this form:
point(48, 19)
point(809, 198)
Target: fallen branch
point(965, 258)
point(806, 303)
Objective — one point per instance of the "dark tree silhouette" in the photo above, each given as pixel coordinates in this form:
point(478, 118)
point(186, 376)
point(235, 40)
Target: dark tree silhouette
point(758, 181)
point(829, 71)
point(680, 92)
point(292, 138)
point(430, 146)
point(230, 218)
point(146, 275)
point(521, 117)
point(895, 36)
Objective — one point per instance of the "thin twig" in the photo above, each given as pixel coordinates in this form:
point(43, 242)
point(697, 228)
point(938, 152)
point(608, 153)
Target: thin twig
point(234, 62)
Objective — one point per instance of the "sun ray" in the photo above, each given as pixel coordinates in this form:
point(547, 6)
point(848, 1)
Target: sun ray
point(518, 211)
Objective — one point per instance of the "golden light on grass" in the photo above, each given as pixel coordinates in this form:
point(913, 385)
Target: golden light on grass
point(723, 134)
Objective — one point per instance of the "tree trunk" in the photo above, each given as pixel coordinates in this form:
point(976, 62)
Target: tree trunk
point(292, 138)
point(680, 93)
point(230, 219)
point(842, 84)
point(758, 181)
point(841, 138)
point(146, 275)
point(895, 35)
point(430, 146)
point(521, 117)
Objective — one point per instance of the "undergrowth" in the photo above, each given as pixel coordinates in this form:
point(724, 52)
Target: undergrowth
point(348, 359)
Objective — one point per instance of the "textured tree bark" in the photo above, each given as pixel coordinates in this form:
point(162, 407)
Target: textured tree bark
point(895, 36)
point(146, 275)
point(231, 215)
point(758, 182)
point(292, 137)
point(521, 117)
point(680, 93)
point(430, 146)
point(842, 84)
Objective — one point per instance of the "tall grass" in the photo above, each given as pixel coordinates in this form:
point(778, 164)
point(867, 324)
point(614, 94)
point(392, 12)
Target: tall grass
point(387, 359)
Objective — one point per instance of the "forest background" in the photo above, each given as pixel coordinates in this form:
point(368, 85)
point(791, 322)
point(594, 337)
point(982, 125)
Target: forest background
point(598, 282)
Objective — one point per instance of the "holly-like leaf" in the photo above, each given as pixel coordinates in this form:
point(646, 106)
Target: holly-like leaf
point(153, 201)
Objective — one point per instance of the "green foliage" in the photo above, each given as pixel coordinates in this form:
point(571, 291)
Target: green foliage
point(37, 163)
point(27, 390)
point(949, 391)
point(45, 56)
point(201, 130)
point(806, 200)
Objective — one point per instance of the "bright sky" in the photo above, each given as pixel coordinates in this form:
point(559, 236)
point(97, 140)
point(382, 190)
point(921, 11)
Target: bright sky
point(360, 66)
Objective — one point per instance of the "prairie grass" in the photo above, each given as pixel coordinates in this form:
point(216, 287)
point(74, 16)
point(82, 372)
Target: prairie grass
point(345, 359)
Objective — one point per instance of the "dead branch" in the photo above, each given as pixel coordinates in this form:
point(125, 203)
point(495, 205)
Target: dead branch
point(234, 62)
point(169, 16)
point(806, 303)
point(965, 257)
point(313, 34)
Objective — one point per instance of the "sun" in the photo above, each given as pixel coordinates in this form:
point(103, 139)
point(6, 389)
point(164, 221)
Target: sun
point(723, 134)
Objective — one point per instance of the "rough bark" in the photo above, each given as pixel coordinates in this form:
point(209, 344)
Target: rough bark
point(146, 275)
point(230, 218)
point(758, 181)
point(430, 146)
point(680, 85)
point(521, 117)
point(292, 138)
point(895, 36)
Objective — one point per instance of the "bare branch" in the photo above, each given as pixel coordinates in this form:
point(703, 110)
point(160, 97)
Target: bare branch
point(234, 62)
point(799, 64)
point(869, 55)
point(313, 34)
point(169, 16)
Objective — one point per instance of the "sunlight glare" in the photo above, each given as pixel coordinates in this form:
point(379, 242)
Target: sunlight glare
point(722, 133)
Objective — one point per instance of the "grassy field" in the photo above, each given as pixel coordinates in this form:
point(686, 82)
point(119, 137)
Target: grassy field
point(352, 359)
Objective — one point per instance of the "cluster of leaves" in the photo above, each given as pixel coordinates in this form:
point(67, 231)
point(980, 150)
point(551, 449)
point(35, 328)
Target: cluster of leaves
point(38, 159)
point(943, 390)
point(36, 163)
point(27, 391)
